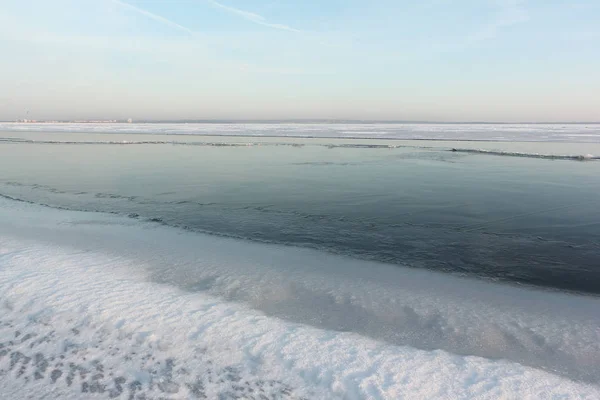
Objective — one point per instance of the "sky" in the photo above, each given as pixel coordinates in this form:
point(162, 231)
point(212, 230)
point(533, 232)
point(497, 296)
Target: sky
point(429, 60)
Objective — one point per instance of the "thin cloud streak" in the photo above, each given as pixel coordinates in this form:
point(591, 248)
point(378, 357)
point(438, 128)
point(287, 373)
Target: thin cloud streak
point(253, 17)
point(154, 17)
point(512, 12)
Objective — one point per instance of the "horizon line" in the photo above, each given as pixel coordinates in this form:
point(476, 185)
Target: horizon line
point(290, 120)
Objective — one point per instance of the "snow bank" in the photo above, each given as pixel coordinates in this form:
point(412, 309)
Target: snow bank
point(84, 312)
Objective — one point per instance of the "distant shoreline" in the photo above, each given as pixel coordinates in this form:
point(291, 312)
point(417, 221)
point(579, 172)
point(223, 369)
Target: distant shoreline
point(296, 121)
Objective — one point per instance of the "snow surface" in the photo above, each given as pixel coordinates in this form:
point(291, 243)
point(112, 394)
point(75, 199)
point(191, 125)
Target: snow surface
point(87, 311)
point(582, 133)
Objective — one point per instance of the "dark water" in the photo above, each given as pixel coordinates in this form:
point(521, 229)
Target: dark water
point(524, 220)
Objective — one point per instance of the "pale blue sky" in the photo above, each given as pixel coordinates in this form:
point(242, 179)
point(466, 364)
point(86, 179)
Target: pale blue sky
point(438, 60)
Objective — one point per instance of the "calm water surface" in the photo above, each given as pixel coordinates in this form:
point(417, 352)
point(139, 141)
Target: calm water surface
point(523, 220)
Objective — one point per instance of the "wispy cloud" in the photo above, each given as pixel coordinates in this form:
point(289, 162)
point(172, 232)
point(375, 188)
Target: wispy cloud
point(253, 17)
point(154, 17)
point(511, 12)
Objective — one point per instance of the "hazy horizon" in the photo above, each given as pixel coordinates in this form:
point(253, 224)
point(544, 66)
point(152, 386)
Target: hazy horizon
point(294, 121)
point(494, 61)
